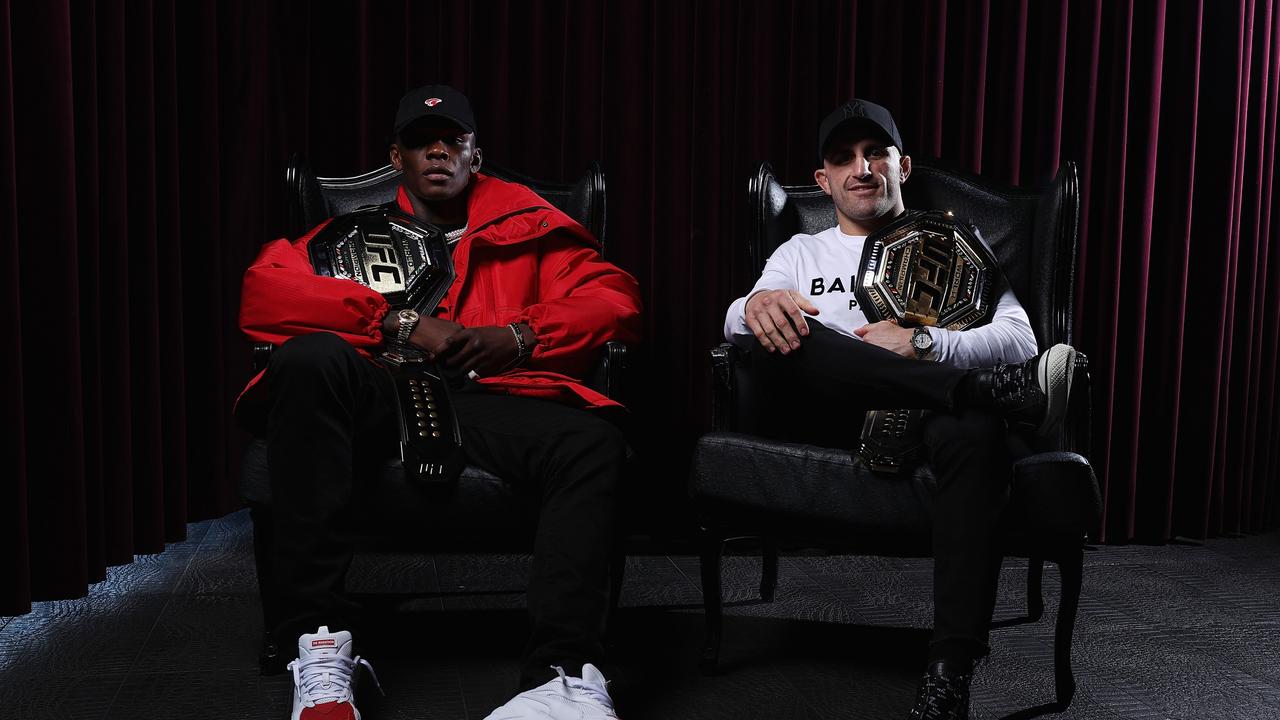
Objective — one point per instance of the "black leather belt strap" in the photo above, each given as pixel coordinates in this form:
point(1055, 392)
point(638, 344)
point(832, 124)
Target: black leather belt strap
point(430, 441)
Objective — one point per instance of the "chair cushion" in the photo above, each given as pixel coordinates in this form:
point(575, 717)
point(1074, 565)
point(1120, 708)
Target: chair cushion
point(481, 504)
point(824, 491)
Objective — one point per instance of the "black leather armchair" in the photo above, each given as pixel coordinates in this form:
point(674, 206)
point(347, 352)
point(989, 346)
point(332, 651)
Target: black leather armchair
point(483, 512)
point(805, 496)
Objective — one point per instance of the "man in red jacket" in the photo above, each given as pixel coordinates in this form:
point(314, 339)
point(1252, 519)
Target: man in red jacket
point(532, 305)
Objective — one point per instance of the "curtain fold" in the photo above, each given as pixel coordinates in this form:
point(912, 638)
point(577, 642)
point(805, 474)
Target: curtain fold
point(14, 528)
point(142, 148)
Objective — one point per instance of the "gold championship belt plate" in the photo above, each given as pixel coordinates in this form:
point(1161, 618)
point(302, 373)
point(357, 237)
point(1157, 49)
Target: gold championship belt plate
point(923, 269)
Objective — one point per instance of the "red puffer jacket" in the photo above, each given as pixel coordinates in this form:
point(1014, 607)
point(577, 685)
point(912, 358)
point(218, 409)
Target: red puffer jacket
point(520, 260)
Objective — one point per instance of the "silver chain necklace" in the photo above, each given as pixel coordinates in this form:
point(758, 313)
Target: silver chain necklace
point(452, 236)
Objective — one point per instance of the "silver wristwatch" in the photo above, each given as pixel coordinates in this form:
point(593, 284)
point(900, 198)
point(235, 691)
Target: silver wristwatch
point(408, 321)
point(922, 341)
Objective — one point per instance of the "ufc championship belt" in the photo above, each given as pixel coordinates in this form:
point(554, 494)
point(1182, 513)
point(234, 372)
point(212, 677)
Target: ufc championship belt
point(408, 262)
point(924, 268)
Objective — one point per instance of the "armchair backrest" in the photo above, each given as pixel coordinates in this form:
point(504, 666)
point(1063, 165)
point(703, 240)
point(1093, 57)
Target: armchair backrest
point(1033, 233)
point(312, 199)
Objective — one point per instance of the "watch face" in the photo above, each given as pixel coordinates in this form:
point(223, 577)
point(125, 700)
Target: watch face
point(408, 315)
point(922, 340)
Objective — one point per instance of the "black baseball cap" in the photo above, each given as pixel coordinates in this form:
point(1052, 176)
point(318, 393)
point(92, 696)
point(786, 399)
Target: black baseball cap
point(863, 112)
point(439, 101)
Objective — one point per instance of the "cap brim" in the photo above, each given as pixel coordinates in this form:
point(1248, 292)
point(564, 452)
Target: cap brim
point(436, 118)
point(862, 121)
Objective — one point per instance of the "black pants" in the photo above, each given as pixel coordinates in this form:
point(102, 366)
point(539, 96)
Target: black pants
point(818, 395)
point(328, 409)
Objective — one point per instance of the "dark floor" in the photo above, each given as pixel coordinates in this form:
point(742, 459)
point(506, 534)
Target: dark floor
point(1184, 632)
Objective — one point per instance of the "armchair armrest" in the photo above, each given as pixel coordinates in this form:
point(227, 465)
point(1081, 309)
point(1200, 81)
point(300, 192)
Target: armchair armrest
point(724, 385)
point(734, 400)
point(607, 376)
point(261, 356)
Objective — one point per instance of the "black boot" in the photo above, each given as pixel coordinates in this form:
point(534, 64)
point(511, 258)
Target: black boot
point(943, 693)
point(1034, 393)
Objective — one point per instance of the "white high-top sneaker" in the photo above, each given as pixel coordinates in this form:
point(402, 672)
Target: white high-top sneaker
point(324, 680)
point(564, 698)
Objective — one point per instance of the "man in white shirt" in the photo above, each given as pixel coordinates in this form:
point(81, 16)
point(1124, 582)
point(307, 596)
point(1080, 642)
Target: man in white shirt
point(820, 364)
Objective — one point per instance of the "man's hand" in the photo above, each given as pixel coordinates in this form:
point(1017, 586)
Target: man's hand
point(431, 332)
point(484, 350)
point(776, 317)
point(888, 335)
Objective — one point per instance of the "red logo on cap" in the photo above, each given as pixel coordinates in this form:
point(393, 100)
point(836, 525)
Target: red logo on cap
point(432, 102)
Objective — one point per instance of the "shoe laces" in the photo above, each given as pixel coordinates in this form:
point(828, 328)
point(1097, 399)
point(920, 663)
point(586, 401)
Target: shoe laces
point(1008, 381)
point(941, 698)
point(327, 678)
point(595, 692)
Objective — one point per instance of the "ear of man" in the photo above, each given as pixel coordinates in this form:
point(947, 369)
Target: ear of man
point(820, 177)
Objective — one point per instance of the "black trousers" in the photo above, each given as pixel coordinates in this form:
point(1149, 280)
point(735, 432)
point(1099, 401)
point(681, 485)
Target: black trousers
point(818, 395)
point(329, 410)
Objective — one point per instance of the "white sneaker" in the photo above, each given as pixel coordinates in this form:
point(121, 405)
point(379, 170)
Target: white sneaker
point(564, 698)
point(324, 677)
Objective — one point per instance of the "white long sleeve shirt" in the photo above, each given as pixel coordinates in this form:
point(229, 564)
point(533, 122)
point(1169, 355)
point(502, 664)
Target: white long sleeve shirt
point(824, 268)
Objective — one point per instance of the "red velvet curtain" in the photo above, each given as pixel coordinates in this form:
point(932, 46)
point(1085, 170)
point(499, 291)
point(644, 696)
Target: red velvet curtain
point(142, 147)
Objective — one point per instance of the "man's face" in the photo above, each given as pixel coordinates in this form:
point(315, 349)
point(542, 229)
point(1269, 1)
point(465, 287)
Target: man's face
point(863, 174)
point(436, 159)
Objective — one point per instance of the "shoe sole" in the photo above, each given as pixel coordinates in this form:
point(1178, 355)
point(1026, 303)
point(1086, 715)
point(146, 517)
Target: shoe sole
point(1055, 373)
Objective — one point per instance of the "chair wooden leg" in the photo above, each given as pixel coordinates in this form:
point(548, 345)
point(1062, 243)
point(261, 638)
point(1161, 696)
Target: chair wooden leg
point(617, 571)
point(1071, 565)
point(768, 569)
point(269, 661)
point(712, 549)
point(1035, 595)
